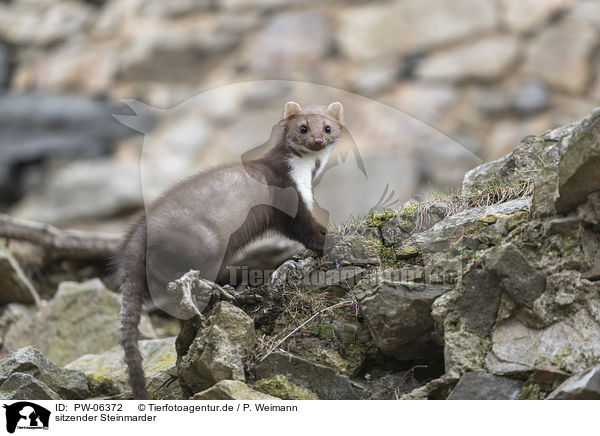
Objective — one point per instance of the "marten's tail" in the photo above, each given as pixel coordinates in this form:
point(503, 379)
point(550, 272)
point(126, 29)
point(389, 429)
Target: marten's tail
point(131, 309)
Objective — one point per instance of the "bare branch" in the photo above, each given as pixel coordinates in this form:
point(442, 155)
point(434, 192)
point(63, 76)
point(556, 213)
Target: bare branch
point(59, 243)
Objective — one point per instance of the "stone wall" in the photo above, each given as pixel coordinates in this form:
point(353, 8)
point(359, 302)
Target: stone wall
point(483, 72)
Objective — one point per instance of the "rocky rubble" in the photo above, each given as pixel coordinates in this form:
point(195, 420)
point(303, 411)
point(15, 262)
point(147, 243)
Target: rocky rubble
point(493, 294)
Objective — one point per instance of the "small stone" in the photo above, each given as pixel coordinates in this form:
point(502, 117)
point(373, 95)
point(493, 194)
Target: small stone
point(355, 249)
point(20, 386)
point(482, 386)
point(561, 226)
point(394, 231)
point(578, 169)
point(480, 300)
point(232, 390)
point(570, 344)
point(326, 382)
point(582, 386)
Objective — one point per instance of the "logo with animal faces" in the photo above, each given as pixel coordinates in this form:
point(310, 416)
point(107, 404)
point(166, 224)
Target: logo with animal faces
point(25, 415)
point(377, 163)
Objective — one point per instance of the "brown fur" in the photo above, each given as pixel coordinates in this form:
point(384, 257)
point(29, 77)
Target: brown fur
point(202, 222)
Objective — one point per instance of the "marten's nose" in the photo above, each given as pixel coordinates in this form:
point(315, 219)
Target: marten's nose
point(318, 140)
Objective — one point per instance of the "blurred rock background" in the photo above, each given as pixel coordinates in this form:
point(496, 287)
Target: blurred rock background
point(481, 72)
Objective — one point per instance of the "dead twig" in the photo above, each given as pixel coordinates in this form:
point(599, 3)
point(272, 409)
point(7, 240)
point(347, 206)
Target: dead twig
point(335, 306)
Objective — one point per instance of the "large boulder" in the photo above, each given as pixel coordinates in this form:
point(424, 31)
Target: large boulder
point(27, 372)
point(82, 318)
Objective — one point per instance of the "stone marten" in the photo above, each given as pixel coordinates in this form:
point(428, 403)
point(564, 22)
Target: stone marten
point(204, 221)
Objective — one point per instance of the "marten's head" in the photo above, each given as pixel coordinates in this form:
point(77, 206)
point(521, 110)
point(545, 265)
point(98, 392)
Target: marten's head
point(312, 128)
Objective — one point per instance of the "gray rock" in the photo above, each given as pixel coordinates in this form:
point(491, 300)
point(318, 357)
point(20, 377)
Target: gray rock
point(89, 306)
point(578, 170)
point(232, 390)
point(582, 386)
point(69, 384)
point(399, 314)
point(19, 386)
point(570, 344)
point(108, 369)
point(480, 300)
point(219, 350)
point(355, 249)
point(396, 230)
point(589, 213)
point(482, 386)
point(16, 287)
point(508, 170)
point(289, 272)
point(5, 61)
point(326, 382)
point(446, 232)
point(519, 279)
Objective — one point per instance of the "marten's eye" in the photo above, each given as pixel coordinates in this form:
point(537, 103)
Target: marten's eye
point(303, 129)
point(327, 129)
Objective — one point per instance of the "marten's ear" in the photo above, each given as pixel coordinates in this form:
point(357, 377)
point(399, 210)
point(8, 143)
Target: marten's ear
point(291, 108)
point(336, 111)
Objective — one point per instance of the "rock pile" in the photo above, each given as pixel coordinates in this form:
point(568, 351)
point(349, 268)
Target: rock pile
point(491, 295)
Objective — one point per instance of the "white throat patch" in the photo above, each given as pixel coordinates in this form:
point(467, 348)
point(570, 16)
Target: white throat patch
point(301, 171)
